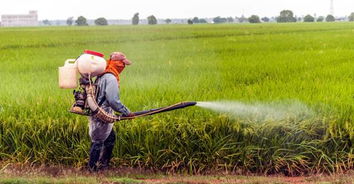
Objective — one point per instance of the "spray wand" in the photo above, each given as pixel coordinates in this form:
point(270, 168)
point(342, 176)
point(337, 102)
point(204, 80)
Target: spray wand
point(158, 110)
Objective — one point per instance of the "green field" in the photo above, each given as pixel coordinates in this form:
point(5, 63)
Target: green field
point(264, 63)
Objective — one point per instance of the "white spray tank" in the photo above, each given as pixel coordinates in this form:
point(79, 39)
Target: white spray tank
point(68, 74)
point(89, 64)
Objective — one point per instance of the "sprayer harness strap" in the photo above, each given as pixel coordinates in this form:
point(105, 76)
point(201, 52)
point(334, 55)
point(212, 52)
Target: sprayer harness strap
point(97, 90)
point(97, 111)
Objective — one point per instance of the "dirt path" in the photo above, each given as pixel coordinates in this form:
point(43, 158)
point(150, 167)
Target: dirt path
point(18, 173)
point(343, 179)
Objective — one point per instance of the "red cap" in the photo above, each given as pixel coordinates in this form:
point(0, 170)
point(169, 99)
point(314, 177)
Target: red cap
point(93, 53)
point(120, 57)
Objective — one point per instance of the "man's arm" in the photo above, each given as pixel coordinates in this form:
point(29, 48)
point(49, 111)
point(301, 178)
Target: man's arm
point(112, 96)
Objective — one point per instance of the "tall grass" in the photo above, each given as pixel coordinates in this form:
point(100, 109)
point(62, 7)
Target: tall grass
point(311, 63)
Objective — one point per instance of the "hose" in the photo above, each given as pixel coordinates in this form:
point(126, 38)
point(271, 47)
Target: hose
point(102, 115)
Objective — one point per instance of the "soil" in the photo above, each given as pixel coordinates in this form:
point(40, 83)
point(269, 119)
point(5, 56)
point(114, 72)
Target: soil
point(149, 176)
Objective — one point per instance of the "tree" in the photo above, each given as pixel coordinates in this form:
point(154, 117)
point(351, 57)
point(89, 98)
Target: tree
point(230, 19)
point(202, 21)
point(254, 19)
point(152, 20)
point(70, 21)
point(286, 16)
point(81, 21)
point(189, 21)
point(135, 19)
point(265, 19)
point(218, 20)
point(101, 21)
point(309, 18)
point(351, 17)
point(330, 18)
point(320, 19)
point(46, 22)
point(195, 20)
point(168, 21)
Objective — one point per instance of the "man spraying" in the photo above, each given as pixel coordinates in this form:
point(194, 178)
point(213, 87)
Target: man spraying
point(101, 133)
point(99, 101)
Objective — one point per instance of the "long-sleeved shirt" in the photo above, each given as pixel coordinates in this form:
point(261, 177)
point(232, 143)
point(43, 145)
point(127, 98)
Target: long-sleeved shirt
point(107, 97)
point(108, 94)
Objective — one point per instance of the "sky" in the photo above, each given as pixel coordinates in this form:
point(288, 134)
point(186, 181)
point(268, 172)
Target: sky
point(118, 9)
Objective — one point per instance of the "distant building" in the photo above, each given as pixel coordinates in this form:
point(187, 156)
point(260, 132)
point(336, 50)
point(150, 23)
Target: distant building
point(30, 19)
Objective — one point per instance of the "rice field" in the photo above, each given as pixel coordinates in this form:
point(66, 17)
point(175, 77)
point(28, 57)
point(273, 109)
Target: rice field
point(307, 63)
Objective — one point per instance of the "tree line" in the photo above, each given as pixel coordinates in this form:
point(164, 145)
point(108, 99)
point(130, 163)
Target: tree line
point(288, 16)
point(284, 16)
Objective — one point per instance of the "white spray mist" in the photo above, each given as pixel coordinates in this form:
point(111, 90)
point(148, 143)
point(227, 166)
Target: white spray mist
point(272, 111)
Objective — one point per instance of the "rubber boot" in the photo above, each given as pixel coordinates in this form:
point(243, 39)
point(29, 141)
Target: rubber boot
point(95, 152)
point(106, 155)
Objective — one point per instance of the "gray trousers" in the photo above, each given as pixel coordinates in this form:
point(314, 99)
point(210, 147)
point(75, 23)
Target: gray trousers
point(99, 131)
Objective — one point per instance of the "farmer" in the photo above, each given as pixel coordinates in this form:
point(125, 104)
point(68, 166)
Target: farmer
point(102, 134)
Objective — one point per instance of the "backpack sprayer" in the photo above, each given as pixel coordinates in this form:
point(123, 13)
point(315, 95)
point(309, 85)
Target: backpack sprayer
point(92, 64)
